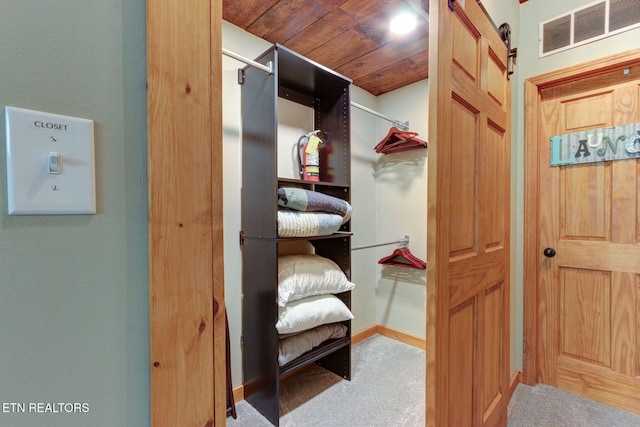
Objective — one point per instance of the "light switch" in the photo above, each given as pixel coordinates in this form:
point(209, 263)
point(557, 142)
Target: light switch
point(53, 162)
point(50, 163)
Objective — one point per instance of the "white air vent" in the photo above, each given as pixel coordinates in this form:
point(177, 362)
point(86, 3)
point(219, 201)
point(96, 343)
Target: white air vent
point(595, 21)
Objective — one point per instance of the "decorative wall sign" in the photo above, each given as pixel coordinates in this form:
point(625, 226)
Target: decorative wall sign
point(597, 145)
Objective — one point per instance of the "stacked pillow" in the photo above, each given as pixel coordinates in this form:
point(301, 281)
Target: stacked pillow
point(305, 275)
point(308, 312)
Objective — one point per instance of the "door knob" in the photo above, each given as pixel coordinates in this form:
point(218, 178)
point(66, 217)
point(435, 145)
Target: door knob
point(549, 252)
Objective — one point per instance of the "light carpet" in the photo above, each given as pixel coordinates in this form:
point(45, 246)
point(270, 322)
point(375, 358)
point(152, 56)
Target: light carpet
point(386, 389)
point(546, 406)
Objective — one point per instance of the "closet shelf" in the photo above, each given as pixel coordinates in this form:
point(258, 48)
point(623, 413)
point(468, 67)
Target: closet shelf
point(326, 348)
point(324, 92)
point(336, 235)
point(309, 183)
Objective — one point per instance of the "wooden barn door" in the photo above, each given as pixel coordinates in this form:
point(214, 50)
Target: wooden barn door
point(588, 244)
point(468, 219)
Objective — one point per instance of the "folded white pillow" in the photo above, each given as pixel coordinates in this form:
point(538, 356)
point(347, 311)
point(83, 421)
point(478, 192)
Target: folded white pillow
point(294, 346)
point(310, 312)
point(301, 276)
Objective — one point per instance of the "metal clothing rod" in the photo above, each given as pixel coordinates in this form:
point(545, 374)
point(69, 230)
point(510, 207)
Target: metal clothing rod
point(402, 243)
point(398, 123)
point(266, 68)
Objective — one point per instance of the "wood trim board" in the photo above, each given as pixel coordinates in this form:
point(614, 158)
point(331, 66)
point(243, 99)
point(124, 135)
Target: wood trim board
point(186, 280)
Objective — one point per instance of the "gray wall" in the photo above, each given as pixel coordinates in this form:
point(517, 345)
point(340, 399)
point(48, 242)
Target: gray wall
point(74, 289)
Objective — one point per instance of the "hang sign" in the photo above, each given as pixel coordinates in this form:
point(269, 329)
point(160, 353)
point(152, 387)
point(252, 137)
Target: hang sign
point(312, 146)
point(598, 145)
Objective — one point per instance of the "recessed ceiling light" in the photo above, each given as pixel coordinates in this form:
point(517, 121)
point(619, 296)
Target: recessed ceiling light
point(403, 23)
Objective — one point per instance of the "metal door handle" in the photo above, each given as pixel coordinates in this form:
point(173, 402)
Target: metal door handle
point(549, 252)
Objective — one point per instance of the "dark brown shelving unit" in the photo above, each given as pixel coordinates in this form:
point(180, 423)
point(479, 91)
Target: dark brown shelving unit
point(294, 78)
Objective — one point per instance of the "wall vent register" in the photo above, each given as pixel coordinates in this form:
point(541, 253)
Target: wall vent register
point(587, 24)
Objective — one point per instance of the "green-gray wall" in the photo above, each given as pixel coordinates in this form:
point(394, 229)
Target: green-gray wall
point(74, 310)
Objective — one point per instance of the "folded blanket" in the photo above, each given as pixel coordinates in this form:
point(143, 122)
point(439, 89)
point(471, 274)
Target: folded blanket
point(296, 345)
point(300, 199)
point(307, 224)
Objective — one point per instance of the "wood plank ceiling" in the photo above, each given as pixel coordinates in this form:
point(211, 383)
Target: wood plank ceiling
point(349, 36)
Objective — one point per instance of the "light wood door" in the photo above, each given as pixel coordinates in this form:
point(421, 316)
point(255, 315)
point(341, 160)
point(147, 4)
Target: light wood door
point(468, 219)
point(589, 292)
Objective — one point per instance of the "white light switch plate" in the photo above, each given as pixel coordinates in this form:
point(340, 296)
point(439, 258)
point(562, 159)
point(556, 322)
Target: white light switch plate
point(50, 163)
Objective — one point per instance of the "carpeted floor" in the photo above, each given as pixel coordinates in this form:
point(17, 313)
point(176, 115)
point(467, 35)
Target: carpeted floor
point(546, 406)
point(387, 390)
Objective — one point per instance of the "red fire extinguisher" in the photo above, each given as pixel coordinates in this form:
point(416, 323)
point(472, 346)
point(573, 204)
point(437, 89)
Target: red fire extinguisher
point(327, 172)
point(308, 156)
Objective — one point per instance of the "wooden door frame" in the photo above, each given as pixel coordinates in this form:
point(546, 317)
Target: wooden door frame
point(186, 281)
point(533, 87)
point(188, 377)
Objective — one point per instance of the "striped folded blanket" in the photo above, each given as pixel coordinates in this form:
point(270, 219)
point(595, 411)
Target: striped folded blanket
point(303, 200)
point(307, 224)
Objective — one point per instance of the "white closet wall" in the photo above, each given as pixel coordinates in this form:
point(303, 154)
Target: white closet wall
point(401, 194)
point(384, 208)
point(389, 194)
point(364, 200)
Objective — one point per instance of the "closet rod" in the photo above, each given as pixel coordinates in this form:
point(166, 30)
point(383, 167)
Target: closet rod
point(266, 68)
point(398, 123)
point(402, 242)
